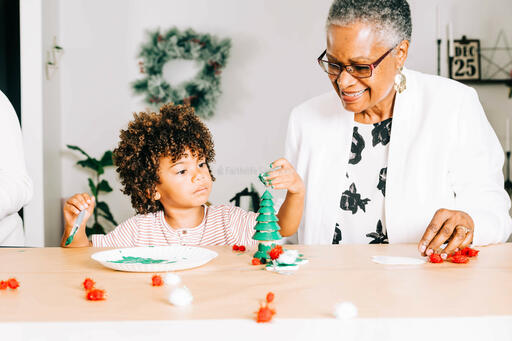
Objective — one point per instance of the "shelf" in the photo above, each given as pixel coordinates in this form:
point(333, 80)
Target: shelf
point(485, 81)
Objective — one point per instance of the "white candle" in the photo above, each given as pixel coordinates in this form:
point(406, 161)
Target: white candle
point(507, 135)
point(438, 23)
point(451, 50)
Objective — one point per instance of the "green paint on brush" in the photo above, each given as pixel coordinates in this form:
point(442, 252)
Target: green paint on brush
point(69, 240)
point(76, 225)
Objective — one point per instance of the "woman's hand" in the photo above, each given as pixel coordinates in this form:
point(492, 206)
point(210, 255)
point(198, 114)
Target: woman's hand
point(456, 227)
point(72, 208)
point(290, 212)
point(285, 177)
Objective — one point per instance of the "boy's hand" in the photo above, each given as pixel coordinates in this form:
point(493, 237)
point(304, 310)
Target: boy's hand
point(285, 177)
point(71, 209)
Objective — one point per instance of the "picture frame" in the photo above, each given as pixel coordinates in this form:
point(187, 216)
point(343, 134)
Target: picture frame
point(465, 64)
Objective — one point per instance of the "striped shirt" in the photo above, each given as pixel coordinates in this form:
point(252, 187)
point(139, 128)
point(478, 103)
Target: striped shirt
point(221, 225)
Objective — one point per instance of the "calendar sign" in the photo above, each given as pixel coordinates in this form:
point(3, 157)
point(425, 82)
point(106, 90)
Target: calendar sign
point(465, 63)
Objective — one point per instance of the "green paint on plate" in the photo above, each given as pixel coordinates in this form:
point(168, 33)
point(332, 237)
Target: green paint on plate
point(140, 260)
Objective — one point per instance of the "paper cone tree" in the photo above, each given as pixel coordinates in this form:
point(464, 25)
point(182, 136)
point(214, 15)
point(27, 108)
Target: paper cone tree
point(266, 228)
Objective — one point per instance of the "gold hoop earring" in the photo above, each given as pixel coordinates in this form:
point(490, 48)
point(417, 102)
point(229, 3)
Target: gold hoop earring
point(400, 81)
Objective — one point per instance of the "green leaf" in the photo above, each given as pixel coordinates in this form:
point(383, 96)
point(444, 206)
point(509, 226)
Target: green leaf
point(140, 85)
point(102, 206)
point(78, 149)
point(110, 219)
point(104, 186)
point(93, 164)
point(92, 187)
point(95, 229)
point(106, 159)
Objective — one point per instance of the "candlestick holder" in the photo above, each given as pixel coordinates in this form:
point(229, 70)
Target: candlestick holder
point(508, 183)
point(439, 57)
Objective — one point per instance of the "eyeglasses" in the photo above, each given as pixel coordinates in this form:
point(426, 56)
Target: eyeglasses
point(355, 70)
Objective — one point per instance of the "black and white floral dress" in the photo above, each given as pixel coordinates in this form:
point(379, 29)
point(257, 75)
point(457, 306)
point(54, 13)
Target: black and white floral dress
point(361, 216)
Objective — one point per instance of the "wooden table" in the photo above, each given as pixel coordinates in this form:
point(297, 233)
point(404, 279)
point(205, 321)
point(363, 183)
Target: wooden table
point(466, 300)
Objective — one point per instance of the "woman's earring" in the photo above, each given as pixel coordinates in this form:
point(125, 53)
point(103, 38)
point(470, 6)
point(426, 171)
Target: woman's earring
point(157, 196)
point(400, 81)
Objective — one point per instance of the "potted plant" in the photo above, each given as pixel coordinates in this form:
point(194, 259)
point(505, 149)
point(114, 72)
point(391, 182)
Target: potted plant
point(97, 186)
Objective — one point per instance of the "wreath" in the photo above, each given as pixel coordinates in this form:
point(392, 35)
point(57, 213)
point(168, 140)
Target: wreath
point(200, 92)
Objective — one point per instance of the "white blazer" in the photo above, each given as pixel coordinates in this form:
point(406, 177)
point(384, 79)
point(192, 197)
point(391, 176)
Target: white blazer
point(443, 153)
point(15, 184)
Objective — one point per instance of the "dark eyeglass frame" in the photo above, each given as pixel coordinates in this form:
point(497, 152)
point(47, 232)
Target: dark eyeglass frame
point(346, 67)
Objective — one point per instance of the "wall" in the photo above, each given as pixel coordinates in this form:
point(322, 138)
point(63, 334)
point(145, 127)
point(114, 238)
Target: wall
point(41, 121)
point(271, 69)
point(31, 71)
point(51, 130)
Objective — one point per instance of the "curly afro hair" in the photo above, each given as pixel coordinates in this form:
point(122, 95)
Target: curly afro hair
point(173, 131)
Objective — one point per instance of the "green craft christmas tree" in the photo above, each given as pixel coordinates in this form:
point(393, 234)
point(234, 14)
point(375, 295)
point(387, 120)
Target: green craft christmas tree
point(266, 228)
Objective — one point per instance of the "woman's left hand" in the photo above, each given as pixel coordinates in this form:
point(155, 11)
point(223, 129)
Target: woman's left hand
point(456, 227)
point(284, 177)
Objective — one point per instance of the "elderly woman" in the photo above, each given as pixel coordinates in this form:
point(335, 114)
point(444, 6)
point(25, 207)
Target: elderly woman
point(394, 155)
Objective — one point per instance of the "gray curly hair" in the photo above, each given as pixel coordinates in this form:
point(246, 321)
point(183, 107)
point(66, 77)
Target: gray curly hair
point(392, 18)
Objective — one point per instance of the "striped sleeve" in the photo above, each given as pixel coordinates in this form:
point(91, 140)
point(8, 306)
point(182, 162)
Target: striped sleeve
point(241, 225)
point(122, 236)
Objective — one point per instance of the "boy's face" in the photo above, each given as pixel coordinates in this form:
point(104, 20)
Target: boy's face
point(184, 183)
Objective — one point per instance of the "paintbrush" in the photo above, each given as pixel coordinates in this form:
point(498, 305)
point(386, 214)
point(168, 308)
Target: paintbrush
point(76, 225)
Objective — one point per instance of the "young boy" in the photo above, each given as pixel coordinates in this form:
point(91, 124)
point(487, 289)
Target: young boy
point(163, 161)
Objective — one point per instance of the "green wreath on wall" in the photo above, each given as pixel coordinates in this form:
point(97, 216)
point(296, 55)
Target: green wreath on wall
point(203, 90)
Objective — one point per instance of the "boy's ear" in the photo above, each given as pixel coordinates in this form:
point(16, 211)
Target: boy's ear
point(151, 196)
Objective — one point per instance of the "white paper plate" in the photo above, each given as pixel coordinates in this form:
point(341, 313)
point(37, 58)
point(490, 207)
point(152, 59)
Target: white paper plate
point(154, 259)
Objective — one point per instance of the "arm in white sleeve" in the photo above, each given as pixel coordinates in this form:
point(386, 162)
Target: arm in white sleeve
point(15, 184)
point(477, 174)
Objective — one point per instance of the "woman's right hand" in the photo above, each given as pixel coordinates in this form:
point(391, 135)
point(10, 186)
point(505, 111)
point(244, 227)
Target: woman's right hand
point(71, 210)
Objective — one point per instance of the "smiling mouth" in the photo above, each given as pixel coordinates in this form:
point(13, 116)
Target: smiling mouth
point(353, 94)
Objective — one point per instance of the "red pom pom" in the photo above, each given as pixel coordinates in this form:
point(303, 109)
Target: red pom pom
point(13, 283)
point(235, 247)
point(264, 314)
point(435, 258)
point(256, 261)
point(270, 297)
point(3, 285)
point(157, 281)
point(95, 295)
point(469, 252)
point(88, 284)
point(458, 253)
point(461, 259)
point(241, 248)
point(276, 252)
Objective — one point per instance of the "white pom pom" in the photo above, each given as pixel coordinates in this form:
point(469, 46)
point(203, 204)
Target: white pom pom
point(171, 279)
point(181, 297)
point(288, 257)
point(345, 310)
